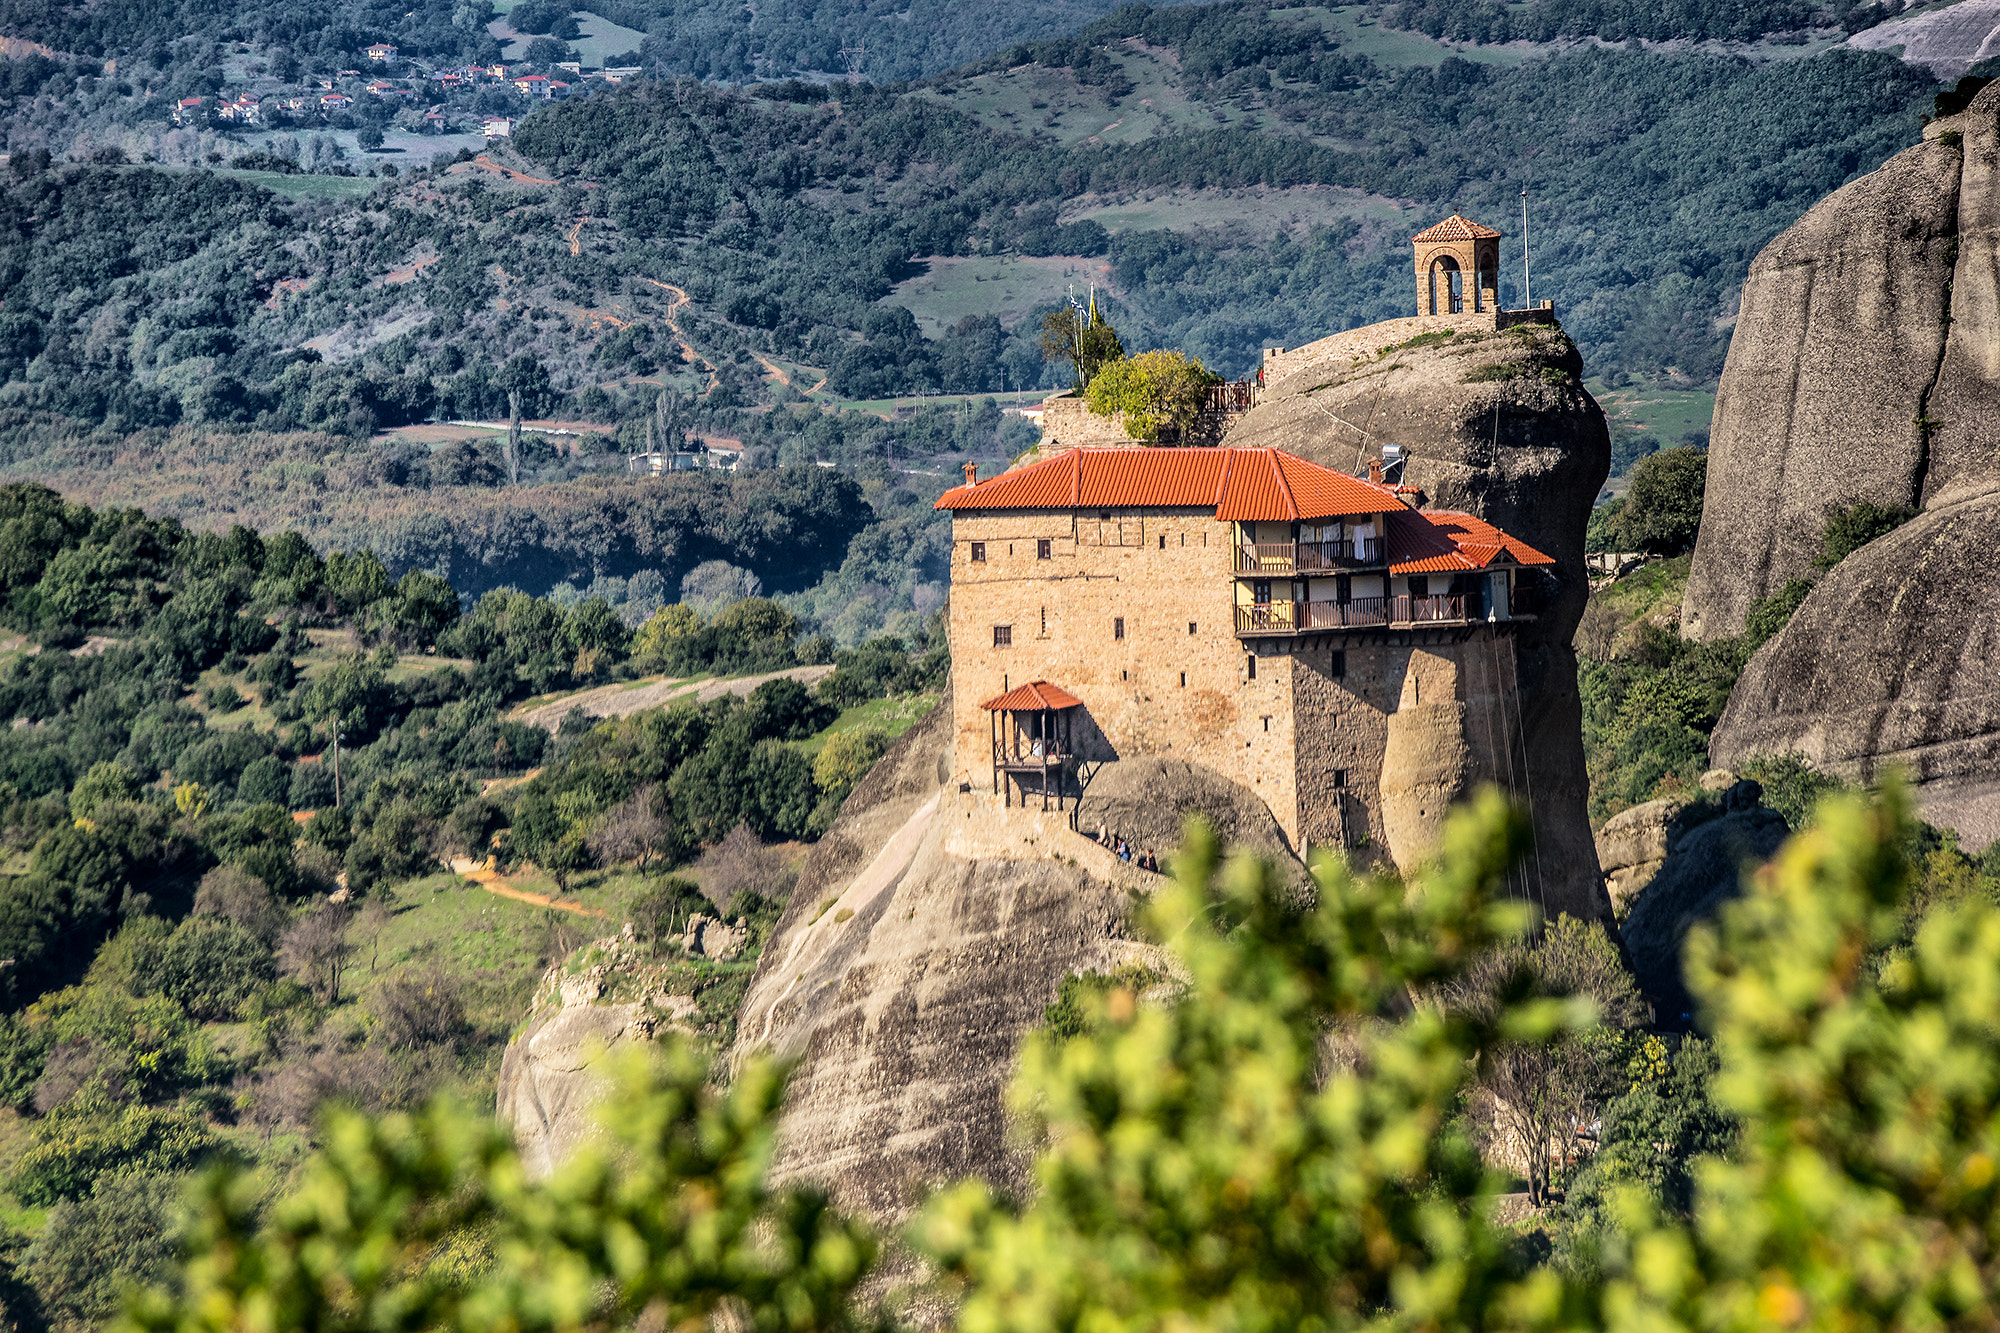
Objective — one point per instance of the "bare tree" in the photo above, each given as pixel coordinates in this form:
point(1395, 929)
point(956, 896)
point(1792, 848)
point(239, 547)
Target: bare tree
point(236, 895)
point(414, 1011)
point(1534, 1097)
point(316, 950)
point(513, 437)
point(635, 831)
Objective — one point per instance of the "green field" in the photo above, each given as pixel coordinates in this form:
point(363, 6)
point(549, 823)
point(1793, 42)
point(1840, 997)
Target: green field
point(1266, 211)
point(1006, 287)
point(307, 187)
point(601, 37)
point(1360, 35)
point(1660, 416)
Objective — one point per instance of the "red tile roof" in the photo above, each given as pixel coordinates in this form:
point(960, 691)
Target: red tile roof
point(1238, 484)
point(1456, 228)
point(1445, 542)
point(1246, 485)
point(1035, 695)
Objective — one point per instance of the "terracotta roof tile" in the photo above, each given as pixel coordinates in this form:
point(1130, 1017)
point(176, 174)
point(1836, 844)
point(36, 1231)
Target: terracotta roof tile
point(1035, 695)
point(1239, 484)
point(1244, 485)
point(1456, 228)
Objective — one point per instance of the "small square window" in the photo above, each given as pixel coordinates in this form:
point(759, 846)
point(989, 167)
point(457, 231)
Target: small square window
point(1339, 778)
point(1118, 627)
point(1042, 548)
point(1339, 666)
point(1003, 636)
point(1163, 541)
point(979, 553)
point(1190, 627)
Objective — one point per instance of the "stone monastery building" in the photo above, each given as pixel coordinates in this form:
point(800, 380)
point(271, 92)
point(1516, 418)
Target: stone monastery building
point(1316, 637)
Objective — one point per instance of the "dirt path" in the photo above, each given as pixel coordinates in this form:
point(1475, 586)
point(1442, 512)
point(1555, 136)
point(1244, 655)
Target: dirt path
point(575, 237)
point(688, 353)
point(625, 700)
point(772, 366)
point(487, 878)
point(508, 173)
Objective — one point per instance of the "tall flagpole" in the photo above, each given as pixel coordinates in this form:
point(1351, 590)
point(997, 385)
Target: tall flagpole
point(1527, 287)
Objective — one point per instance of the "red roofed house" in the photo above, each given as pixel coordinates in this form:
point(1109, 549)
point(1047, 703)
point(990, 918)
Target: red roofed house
point(1310, 635)
point(380, 51)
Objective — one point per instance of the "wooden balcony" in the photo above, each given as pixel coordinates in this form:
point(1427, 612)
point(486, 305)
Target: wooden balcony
point(1363, 613)
point(1297, 557)
point(1030, 759)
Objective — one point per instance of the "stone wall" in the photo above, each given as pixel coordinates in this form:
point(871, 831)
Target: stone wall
point(1178, 684)
point(1067, 422)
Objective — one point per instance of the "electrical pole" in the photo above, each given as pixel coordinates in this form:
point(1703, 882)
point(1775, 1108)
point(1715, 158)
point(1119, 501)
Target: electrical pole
point(336, 763)
point(1527, 287)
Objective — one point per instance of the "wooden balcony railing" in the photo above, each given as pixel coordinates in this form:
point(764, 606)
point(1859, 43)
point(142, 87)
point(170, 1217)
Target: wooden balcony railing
point(1290, 557)
point(1051, 756)
point(1235, 397)
point(1361, 613)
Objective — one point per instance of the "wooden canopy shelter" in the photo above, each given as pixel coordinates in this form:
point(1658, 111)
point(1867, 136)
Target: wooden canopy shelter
point(1033, 732)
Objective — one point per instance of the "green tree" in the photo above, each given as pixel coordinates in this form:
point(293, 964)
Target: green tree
point(1662, 511)
point(90, 1137)
point(106, 781)
point(90, 1248)
point(1160, 393)
point(1083, 338)
point(672, 1220)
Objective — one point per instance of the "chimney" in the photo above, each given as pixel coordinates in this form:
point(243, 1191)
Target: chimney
point(1375, 470)
point(972, 474)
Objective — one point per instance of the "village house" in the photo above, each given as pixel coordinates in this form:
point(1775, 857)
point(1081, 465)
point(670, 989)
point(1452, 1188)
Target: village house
point(381, 52)
point(497, 127)
point(330, 102)
point(191, 111)
point(531, 85)
point(1290, 627)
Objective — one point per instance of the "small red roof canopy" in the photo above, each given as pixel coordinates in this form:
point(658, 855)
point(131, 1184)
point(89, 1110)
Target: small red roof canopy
point(1446, 542)
point(1032, 697)
point(1455, 228)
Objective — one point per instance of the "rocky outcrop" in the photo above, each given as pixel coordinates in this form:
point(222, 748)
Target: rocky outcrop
point(602, 997)
point(1832, 363)
point(1633, 845)
point(1704, 868)
point(1866, 365)
point(1498, 424)
point(1948, 40)
point(1147, 800)
point(1894, 660)
point(925, 938)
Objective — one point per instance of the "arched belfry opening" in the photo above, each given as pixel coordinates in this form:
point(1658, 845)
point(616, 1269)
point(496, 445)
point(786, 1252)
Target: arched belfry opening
point(1458, 267)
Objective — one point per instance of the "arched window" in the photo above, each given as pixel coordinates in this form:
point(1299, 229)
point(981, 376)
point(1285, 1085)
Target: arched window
point(1447, 289)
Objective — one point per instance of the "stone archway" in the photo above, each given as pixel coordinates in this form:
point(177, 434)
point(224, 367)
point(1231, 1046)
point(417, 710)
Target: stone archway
point(1447, 286)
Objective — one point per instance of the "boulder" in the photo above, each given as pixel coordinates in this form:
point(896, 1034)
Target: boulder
point(1703, 869)
point(709, 937)
point(1866, 365)
point(1893, 661)
point(1498, 424)
point(601, 998)
point(1840, 333)
point(926, 937)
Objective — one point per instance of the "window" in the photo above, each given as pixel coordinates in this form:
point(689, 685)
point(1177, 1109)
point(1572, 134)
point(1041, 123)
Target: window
point(1343, 589)
point(1250, 667)
point(1042, 549)
point(1003, 636)
point(1190, 627)
point(1267, 724)
point(1118, 627)
point(1183, 680)
point(979, 553)
point(1339, 778)
point(1339, 667)
point(1260, 593)
point(1419, 586)
point(1163, 541)
point(1045, 622)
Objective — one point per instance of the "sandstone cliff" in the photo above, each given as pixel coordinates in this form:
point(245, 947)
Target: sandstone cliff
point(1498, 424)
point(924, 939)
point(1866, 365)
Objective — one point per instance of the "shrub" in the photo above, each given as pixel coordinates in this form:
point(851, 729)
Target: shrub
point(426, 1010)
point(1850, 528)
point(210, 966)
point(1662, 511)
point(847, 758)
point(90, 1137)
point(1770, 614)
point(1159, 392)
point(124, 1230)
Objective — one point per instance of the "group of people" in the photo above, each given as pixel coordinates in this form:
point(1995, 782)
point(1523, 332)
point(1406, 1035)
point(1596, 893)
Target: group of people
point(1123, 850)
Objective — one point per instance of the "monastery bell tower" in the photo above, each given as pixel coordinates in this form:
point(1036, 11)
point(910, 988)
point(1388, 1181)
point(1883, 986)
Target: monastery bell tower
point(1458, 267)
